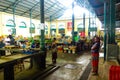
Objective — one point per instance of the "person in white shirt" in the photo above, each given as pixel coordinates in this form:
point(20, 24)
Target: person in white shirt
point(7, 41)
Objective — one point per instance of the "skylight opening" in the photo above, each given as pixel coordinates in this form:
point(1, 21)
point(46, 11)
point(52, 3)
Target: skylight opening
point(66, 3)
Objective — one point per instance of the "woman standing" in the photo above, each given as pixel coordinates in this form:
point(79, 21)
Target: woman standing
point(95, 55)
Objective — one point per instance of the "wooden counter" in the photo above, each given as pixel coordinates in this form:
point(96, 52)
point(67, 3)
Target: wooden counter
point(5, 60)
point(8, 62)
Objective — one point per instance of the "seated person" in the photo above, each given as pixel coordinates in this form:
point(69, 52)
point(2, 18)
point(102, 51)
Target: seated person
point(2, 44)
point(2, 52)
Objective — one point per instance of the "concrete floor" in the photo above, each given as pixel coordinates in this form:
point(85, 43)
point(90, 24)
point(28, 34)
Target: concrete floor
point(72, 67)
point(80, 61)
point(103, 72)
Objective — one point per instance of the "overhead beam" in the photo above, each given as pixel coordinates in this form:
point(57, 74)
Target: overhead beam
point(50, 7)
point(45, 10)
point(31, 9)
point(56, 12)
point(102, 0)
point(52, 14)
point(98, 6)
point(14, 4)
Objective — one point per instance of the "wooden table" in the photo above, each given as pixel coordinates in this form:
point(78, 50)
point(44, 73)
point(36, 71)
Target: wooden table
point(11, 47)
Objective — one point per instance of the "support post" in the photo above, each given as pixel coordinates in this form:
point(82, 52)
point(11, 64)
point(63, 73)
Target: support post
point(30, 23)
point(42, 41)
point(89, 26)
point(9, 72)
point(14, 30)
point(50, 26)
point(105, 19)
point(112, 21)
point(73, 40)
point(83, 22)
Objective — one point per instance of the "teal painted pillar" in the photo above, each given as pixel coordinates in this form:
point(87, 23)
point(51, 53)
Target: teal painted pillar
point(89, 26)
point(42, 22)
point(95, 27)
point(50, 26)
point(30, 23)
point(42, 39)
point(112, 21)
point(14, 29)
point(83, 22)
point(73, 22)
point(105, 20)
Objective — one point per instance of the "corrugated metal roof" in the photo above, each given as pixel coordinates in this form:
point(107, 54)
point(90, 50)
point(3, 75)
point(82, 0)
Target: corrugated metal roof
point(52, 8)
point(22, 7)
point(98, 6)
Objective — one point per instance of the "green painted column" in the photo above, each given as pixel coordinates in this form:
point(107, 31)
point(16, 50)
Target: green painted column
point(42, 39)
point(30, 22)
point(73, 22)
point(50, 26)
point(83, 22)
point(95, 28)
point(105, 19)
point(14, 32)
point(42, 22)
point(112, 21)
point(89, 25)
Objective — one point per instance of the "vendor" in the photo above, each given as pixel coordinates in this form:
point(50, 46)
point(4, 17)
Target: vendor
point(7, 41)
point(2, 44)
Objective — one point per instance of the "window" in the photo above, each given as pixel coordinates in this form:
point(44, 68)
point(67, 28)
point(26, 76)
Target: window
point(23, 25)
point(32, 28)
point(10, 23)
point(80, 27)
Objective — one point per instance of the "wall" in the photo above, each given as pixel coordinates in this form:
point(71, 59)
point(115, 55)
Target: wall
point(25, 31)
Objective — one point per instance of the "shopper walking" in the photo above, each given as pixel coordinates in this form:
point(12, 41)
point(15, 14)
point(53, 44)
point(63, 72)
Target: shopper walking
point(54, 51)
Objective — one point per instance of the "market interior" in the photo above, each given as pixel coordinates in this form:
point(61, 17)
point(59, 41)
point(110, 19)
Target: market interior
point(30, 28)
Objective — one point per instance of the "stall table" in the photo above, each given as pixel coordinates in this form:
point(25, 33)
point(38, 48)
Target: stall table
point(8, 62)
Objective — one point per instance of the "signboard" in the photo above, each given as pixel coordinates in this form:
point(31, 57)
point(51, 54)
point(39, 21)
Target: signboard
point(82, 34)
point(46, 29)
point(69, 26)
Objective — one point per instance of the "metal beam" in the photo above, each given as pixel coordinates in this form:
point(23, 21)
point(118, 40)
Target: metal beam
point(57, 11)
point(45, 10)
point(98, 6)
point(36, 16)
point(102, 0)
point(14, 4)
point(50, 7)
point(56, 17)
point(30, 23)
point(52, 14)
point(105, 28)
point(112, 21)
point(73, 21)
point(31, 9)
